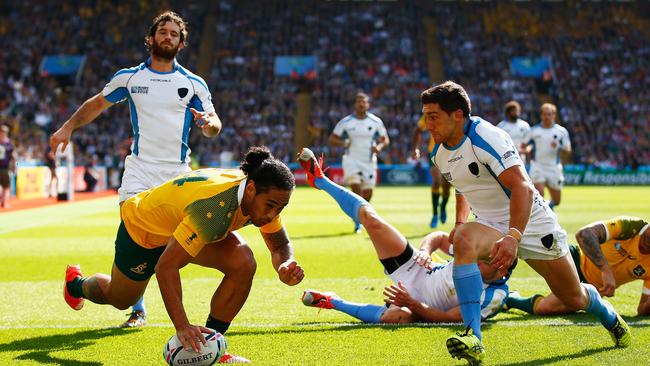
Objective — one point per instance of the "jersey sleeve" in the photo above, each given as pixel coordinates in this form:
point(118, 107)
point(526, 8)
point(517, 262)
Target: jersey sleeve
point(339, 129)
point(187, 236)
point(272, 227)
point(565, 141)
point(116, 90)
point(493, 300)
point(203, 100)
point(381, 129)
point(495, 148)
point(623, 227)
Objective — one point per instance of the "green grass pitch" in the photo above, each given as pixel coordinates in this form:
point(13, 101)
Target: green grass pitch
point(274, 328)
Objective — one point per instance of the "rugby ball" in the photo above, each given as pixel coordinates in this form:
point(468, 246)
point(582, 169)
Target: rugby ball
point(175, 355)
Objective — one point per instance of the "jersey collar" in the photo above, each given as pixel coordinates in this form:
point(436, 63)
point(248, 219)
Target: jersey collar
point(175, 66)
point(240, 191)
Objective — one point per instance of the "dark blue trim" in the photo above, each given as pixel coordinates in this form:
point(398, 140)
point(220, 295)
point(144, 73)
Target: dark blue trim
point(455, 147)
point(118, 95)
point(134, 123)
point(174, 67)
point(479, 142)
point(533, 151)
point(195, 103)
point(505, 190)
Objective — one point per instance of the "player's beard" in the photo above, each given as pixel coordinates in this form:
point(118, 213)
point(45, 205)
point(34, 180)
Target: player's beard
point(167, 54)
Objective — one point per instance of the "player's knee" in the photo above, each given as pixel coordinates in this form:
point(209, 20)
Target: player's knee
point(371, 219)
point(576, 301)
point(123, 304)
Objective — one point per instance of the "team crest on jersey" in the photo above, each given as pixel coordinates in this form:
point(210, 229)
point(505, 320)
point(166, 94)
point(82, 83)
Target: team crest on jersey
point(182, 92)
point(638, 271)
point(473, 168)
point(139, 90)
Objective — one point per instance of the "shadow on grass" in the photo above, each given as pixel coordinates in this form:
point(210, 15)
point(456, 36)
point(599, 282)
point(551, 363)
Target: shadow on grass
point(580, 318)
point(556, 359)
point(38, 349)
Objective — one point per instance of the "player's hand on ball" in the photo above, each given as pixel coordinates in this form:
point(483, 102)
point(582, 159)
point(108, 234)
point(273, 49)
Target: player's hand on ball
point(191, 336)
point(422, 258)
point(504, 252)
point(291, 273)
point(200, 118)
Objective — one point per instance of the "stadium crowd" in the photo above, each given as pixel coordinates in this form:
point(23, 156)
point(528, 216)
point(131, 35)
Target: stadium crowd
point(598, 77)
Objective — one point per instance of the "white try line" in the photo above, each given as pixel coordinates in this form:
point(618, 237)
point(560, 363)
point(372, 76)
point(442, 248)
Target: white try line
point(505, 323)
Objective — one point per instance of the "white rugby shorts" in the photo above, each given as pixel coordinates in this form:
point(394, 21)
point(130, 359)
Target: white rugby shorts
point(550, 175)
point(140, 175)
point(360, 172)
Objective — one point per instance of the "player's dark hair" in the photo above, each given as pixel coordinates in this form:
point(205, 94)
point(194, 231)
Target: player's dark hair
point(266, 171)
point(168, 16)
point(449, 96)
point(513, 104)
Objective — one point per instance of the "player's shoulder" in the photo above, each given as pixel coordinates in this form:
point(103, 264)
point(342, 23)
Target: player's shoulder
point(128, 71)
point(478, 127)
point(523, 123)
point(560, 128)
point(196, 80)
point(345, 120)
point(374, 118)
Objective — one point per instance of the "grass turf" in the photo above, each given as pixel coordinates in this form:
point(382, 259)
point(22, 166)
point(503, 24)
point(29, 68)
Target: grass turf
point(274, 328)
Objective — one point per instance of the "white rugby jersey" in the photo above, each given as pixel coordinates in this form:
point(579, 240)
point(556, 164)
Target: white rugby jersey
point(473, 166)
point(160, 109)
point(517, 130)
point(440, 292)
point(362, 133)
point(547, 143)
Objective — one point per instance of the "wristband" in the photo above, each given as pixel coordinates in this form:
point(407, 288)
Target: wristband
point(515, 233)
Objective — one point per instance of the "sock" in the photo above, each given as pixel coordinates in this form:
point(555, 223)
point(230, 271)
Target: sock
point(367, 313)
point(139, 306)
point(526, 304)
point(216, 324)
point(434, 202)
point(443, 203)
point(599, 307)
point(75, 287)
point(469, 286)
point(349, 202)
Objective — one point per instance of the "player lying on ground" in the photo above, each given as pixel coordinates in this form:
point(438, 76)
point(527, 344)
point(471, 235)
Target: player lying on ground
point(611, 253)
point(423, 291)
point(192, 219)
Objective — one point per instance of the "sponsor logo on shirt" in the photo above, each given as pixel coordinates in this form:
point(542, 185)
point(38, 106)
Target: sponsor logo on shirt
point(139, 269)
point(161, 80)
point(508, 154)
point(455, 159)
point(639, 271)
point(447, 176)
point(188, 241)
point(139, 90)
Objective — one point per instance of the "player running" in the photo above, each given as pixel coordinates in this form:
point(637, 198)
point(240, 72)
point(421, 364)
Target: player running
point(363, 135)
point(516, 127)
point(611, 253)
point(164, 99)
point(512, 219)
point(546, 140)
point(192, 219)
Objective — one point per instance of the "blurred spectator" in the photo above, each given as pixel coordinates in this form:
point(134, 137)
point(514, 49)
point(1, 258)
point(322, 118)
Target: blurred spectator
point(7, 164)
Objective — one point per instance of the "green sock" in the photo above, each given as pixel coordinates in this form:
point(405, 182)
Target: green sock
point(526, 304)
point(75, 287)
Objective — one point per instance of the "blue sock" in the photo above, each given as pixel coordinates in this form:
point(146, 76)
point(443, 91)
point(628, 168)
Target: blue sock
point(349, 202)
point(469, 286)
point(139, 306)
point(367, 313)
point(599, 308)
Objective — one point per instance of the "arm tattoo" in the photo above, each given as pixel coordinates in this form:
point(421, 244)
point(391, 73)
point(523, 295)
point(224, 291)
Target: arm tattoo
point(590, 238)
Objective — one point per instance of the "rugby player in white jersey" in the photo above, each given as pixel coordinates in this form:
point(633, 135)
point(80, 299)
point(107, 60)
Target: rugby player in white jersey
point(546, 141)
point(164, 100)
point(516, 127)
point(423, 289)
point(512, 219)
point(363, 135)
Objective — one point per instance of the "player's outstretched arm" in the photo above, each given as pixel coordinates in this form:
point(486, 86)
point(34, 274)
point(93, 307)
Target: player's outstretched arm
point(168, 275)
point(590, 238)
point(281, 250)
point(85, 114)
